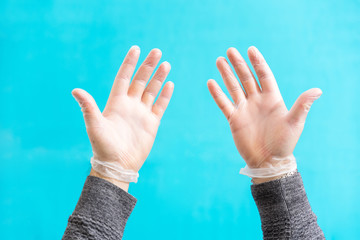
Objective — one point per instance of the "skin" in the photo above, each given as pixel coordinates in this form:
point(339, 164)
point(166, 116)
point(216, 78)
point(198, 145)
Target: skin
point(125, 131)
point(261, 125)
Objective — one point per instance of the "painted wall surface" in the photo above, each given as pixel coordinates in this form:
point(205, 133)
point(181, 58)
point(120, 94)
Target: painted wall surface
point(189, 188)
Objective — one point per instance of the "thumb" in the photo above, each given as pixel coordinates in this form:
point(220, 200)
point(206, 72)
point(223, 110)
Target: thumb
point(88, 106)
point(301, 107)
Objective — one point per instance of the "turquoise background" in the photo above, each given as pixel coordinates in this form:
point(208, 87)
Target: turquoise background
point(189, 188)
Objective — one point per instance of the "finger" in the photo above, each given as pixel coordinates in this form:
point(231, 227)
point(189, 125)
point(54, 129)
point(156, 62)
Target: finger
point(126, 70)
point(263, 71)
point(143, 74)
point(243, 71)
point(301, 107)
point(154, 86)
point(164, 98)
point(225, 105)
point(231, 83)
point(91, 112)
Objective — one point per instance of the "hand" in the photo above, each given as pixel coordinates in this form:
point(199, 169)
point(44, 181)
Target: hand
point(125, 131)
point(261, 125)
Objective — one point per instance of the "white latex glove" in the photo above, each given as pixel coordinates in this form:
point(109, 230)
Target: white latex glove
point(125, 131)
point(261, 125)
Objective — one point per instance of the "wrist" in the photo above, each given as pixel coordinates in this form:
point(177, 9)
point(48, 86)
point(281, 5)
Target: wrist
point(113, 171)
point(263, 180)
point(123, 185)
point(271, 169)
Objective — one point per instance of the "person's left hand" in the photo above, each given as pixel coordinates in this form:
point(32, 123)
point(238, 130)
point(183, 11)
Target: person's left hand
point(262, 127)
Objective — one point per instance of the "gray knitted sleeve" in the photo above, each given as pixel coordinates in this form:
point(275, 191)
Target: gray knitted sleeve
point(285, 211)
point(101, 212)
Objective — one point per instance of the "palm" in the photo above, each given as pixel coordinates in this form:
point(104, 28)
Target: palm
point(125, 131)
point(260, 123)
point(260, 129)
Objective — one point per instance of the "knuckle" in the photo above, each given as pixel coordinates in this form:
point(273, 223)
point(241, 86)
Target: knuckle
point(86, 107)
point(217, 94)
point(306, 106)
point(234, 88)
point(140, 82)
point(159, 78)
point(121, 78)
point(150, 94)
point(239, 63)
point(245, 79)
point(261, 73)
point(158, 108)
point(129, 62)
point(148, 65)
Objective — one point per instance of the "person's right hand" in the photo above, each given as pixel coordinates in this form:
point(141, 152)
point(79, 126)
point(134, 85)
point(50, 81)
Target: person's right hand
point(261, 125)
point(125, 131)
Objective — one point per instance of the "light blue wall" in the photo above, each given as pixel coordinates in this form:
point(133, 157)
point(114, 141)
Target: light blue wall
point(189, 188)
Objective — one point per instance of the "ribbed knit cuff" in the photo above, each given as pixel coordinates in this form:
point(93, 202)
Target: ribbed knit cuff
point(284, 209)
point(102, 210)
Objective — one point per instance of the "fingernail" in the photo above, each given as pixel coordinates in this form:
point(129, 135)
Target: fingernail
point(135, 47)
point(255, 55)
point(253, 49)
point(221, 58)
point(171, 84)
point(166, 63)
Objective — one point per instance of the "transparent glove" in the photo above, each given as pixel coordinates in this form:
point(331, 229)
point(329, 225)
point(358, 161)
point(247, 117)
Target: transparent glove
point(264, 131)
point(123, 134)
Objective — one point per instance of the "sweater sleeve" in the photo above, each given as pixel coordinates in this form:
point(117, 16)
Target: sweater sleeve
point(284, 210)
point(101, 212)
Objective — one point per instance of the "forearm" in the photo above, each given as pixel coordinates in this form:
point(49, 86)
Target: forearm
point(101, 212)
point(284, 209)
